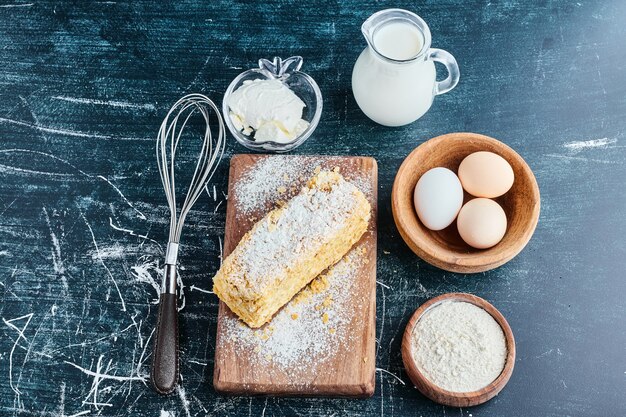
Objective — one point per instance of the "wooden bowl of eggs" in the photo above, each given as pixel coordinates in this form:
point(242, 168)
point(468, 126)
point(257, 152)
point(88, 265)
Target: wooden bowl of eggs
point(465, 202)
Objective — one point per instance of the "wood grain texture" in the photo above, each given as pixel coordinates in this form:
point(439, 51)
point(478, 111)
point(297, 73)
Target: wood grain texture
point(434, 392)
point(445, 248)
point(348, 372)
point(84, 88)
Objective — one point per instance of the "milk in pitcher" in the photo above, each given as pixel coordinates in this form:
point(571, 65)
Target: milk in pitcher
point(394, 78)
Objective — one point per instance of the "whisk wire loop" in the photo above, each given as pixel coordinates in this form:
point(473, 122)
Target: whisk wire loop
point(211, 152)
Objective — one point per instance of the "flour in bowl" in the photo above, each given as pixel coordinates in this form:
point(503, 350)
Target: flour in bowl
point(458, 346)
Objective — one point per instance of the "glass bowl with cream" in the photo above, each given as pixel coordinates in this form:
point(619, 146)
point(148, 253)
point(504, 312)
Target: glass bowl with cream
point(275, 107)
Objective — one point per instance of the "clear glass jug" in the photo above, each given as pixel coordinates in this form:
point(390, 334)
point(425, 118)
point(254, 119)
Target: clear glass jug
point(394, 78)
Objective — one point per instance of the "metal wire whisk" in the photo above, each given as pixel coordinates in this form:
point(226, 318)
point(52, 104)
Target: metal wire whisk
point(165, 367)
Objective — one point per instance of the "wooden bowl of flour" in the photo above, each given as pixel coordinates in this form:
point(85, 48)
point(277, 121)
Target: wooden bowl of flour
point(438, 394)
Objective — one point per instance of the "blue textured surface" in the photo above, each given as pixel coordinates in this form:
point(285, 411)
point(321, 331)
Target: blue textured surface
point(84, 86)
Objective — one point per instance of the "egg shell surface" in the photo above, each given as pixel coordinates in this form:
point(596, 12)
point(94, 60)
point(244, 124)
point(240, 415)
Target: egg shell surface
point(486, 174)
point(438, 197)
point(481, 223)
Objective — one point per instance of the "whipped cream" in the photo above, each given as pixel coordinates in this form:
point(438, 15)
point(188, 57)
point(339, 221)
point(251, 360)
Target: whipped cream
point(269, 109)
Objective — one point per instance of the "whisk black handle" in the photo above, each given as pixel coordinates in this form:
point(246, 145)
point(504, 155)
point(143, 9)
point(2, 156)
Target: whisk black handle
point(165, 367)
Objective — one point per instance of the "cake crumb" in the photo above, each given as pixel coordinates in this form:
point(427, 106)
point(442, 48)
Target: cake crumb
point(386, 252)
point(317, 169)
point(325, 318)
point(282, 189)
point(294, 316)
point(365, 359)
point(327, 301)
point(319, 284)
point(332, 330)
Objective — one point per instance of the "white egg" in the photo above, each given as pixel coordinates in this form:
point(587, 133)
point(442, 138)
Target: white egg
point(438, 197)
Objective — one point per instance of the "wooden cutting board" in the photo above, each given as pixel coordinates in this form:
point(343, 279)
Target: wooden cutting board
point(319, 344)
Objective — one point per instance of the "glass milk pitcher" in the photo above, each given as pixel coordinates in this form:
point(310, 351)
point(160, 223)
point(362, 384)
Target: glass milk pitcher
point(394, 78)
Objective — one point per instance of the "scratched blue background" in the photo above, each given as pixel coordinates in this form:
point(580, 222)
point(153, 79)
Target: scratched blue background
point(84, 86)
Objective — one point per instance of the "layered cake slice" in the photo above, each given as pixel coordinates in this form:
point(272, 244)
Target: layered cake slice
point(290, 246)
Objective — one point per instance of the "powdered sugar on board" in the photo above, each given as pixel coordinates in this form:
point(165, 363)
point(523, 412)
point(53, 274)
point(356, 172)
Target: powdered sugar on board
point(280, 177)
point(326, 327)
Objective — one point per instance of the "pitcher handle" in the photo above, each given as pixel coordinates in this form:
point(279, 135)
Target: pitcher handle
point(445, 58)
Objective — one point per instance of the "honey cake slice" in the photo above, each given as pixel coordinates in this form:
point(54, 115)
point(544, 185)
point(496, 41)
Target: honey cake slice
point(290, 246)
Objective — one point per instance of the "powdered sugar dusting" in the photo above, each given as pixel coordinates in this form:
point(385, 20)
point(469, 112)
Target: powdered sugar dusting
point(328, 317)
point(280, 177)
point(299, 230)
point(309, 328)
point(364, 184)
point(261, 184)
